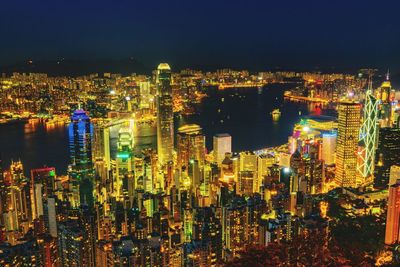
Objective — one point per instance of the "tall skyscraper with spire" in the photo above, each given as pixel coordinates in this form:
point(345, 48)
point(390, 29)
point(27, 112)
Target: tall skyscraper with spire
point(165, 116)
point(347, 143)
point(368, 135)
point(80, 147)
point(383, 94)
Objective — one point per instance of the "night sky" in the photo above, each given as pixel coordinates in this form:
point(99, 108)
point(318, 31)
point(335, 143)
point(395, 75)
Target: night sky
point(241, 34)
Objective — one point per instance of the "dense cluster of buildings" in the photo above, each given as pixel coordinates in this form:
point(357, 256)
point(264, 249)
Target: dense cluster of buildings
point(180, 205)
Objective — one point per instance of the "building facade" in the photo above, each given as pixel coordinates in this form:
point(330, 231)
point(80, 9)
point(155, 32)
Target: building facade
point(165, 116)
point(347, 144)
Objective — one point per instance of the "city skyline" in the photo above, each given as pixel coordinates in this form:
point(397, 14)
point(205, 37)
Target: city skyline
point(160, 162)
point(199, 134)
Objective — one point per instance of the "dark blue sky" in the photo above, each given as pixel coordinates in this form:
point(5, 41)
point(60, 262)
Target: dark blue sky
point(250, 34)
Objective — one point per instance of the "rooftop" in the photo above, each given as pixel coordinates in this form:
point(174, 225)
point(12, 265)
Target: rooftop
point(164, 66)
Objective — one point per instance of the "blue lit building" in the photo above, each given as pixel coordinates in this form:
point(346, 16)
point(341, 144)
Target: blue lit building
point(80, 147)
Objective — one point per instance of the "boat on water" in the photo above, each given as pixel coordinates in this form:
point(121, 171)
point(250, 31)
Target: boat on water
point(276, 114)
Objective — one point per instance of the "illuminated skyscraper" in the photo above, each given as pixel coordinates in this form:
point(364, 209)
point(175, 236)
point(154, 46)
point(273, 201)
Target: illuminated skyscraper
point(101, 153)
point(165, 116)
point(347, 143)
point(222, 144)
point(329, 147)
point(387, 154)
point(248, 178)
point(50, 216)
point(394, 174)
point(16, 171)
point(368, 136)
point(101, 144)
point(80, 143)
point(145, 97)
point(191, 146)
point(383, 94)
point(247, 161)
point(16, 213)
point(393, 215)
point(264, 163)
point(124, 184)
point(296, 170)
point(42, 187)
point(80, 146)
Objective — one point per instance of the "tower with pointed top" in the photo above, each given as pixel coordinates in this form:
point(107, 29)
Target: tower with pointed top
point(165, 116)
point(383, 95)
point(368, 136)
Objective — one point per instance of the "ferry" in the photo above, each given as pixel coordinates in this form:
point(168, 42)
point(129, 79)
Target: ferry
point(276, 114)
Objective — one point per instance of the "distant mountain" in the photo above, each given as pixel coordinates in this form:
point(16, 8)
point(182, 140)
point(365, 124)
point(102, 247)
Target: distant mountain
point(79, 67)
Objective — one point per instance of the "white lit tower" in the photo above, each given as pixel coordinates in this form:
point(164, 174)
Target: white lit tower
point(368, 135)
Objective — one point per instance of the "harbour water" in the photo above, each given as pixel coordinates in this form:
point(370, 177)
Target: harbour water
point(245, 113)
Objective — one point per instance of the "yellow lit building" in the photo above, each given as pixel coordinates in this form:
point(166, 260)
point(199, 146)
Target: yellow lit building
point(347, 142)
point(165, 119)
